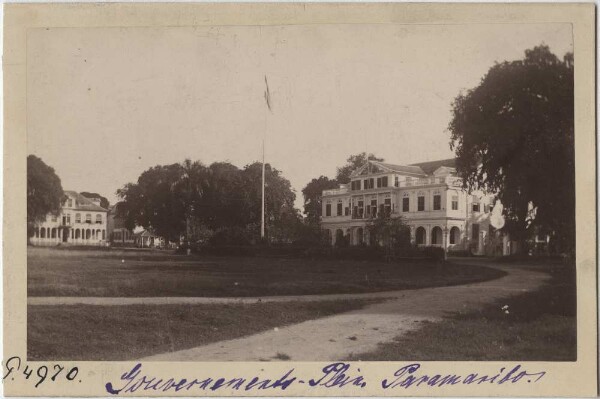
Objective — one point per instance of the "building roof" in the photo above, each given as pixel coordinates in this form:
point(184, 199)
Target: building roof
point(84, 204)
point(432, 166)
point(401, 168)
point(145, 233)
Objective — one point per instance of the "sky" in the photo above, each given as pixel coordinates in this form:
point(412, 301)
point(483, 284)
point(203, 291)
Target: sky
point(105, 104)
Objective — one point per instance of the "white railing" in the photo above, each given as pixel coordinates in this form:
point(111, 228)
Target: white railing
point(428, 181)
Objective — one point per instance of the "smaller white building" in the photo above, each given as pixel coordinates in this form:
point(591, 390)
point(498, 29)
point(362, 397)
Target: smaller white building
point(82, 221)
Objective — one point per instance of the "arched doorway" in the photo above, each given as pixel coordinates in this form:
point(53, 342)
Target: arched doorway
point(421, 235)
point(360, 239)
point(339, 236)
point(437, 236)
point(454, 235)
point(327, 235)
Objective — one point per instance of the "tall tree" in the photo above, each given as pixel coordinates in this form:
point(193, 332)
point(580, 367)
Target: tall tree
point(513, 134)
point(44, 192)
point(189, 189)
point(353, 162)
point(183, 199)
point(279, 196)
point(154, 203)
point(313, 193)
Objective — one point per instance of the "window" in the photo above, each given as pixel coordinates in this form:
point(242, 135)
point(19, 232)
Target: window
point(421, 203)
point(454, 235)
point(405, 204)
point(78, 218)
point(437, 202)
point(382, 181)
point(339, 208)
point(98, 219)
point(360, 209)
point(455, 202)
point(420, 235)
point(475, 232)
point(371, 183)
point(475, 206)
point(396, 181)
point(387, 206)
point(88, 218)
point(356, 185)
point(70, 203)
point(346, 211)
point(374, 208)
point(328, 210)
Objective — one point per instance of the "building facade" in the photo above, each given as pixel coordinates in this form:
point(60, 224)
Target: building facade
point(118, 234)
point(82, 221)
point(430, 198)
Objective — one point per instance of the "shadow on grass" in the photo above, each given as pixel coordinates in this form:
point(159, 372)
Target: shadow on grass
point(533, 326)
point(113, 333)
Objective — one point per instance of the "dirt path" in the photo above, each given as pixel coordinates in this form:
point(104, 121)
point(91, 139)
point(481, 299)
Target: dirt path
point(112, 301)
point(338, 336)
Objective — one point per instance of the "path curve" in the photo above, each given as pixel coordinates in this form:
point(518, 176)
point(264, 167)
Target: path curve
point(337, 337)
point(117, 301)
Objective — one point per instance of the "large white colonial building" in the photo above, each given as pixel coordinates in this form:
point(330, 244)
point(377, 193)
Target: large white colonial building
point(82, 221)
point(427, 195)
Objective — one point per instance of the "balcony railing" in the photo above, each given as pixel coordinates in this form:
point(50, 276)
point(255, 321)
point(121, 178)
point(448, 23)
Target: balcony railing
point(335, 191)
point(429, 181)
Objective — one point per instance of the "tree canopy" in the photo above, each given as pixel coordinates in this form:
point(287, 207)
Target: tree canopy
point(513, 135)
point(44, 192)
point(189, 198)
point(312, 197)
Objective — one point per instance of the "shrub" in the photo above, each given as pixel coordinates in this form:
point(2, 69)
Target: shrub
point(459, 252)
point(230, 236)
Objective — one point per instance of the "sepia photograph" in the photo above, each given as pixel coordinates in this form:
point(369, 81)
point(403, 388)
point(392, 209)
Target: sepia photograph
point(309, 191)
point(233, 193)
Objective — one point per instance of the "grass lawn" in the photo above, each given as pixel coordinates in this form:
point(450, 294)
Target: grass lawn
point(113, 333)
point(539, 326)
point(120, 273)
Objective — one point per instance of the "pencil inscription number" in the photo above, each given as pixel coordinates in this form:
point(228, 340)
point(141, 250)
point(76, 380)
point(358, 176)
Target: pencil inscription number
point(14, 368)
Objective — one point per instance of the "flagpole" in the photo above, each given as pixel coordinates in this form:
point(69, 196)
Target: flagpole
point(267, 96)
point(262, 208)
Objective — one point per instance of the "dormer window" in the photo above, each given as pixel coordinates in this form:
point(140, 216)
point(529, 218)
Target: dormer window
point(475, 206)
point(382, 181)
point(70, 203)
point(355, 185)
